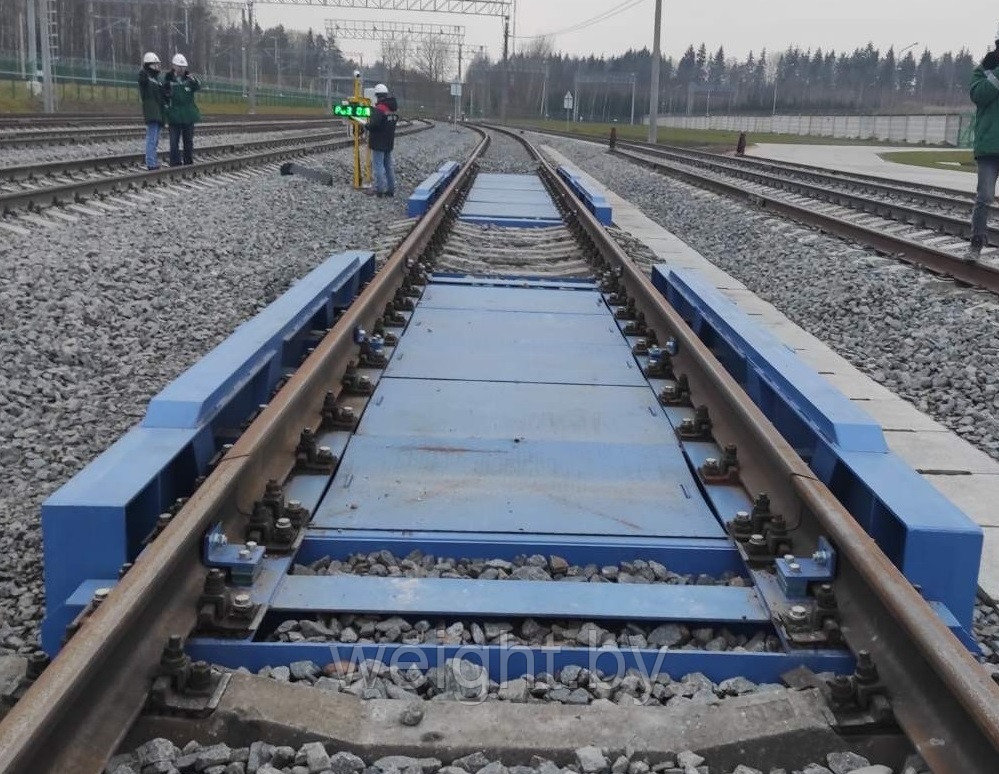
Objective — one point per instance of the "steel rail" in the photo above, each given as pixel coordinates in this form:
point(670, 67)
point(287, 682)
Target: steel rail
point(905, 213)
point(939, 261)
point(75, 191)
point(939, 194)
point(882, 185)
point(941, 697)
point(76, 713)
point(94, 133)
point(97, 163)
point(18, 120)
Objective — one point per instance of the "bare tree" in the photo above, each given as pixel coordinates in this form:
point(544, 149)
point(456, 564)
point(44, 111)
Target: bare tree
point(395, 54)
point(433, 57)
point(539, 49)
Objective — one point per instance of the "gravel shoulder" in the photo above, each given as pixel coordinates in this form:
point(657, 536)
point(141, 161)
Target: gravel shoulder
point(96, 317)
point(15, 157)
point(928, 340)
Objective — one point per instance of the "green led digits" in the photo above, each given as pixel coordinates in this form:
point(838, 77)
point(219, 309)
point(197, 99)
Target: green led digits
point(352, 111)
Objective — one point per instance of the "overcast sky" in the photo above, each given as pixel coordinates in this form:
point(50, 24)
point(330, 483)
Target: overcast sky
point(739, 25)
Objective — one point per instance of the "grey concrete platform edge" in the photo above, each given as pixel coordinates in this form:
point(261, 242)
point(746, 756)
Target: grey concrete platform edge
point(961, 472)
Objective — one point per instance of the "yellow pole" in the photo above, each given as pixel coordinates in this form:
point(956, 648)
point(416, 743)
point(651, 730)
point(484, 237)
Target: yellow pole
point(356, 129)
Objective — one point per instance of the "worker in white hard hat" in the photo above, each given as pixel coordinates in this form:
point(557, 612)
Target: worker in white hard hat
point(381, 140)
point(182, 111)
point(153, 95)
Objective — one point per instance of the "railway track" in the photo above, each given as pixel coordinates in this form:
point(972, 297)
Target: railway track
point(923, 225)
point(34, 187)
point(30, 137)
point(36, 120)
point(558, 392)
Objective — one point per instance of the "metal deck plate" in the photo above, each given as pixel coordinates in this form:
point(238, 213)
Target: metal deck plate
point(584, 301)
point(505, 485)
point(514, 347)
point(509, 182)
point(514, 209)
point(535, 420)
point(503, 410)
point(508, 196)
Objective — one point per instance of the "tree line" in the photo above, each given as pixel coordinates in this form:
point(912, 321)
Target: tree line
point(865, 80)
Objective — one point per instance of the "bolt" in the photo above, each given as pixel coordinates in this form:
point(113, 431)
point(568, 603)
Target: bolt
point(821, 557)
point(251, 544)
point(798, 613)
point(163, 519)
point(215, 582)
point(866, 672)
point(100, 595)
point(841, 690)
point(200, 678)
point(37, 662)
point(757, 539)
point(244, 553)
point(241, 604)
point(794, 567)
point(294, 504)
point(283, 523)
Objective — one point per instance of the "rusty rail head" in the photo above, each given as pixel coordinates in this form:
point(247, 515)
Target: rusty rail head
point(73, 717)
point(941, 696)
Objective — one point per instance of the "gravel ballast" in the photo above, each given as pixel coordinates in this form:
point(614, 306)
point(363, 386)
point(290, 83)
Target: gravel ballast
point(464, 679)
point(507, 156)
point(351, 628)
point(100, 315)
point(930, 341)
point(315, 757)
point(536, 567)
point(22, 156)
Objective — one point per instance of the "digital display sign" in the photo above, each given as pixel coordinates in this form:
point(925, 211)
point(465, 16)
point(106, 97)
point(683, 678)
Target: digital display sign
point(352, 111)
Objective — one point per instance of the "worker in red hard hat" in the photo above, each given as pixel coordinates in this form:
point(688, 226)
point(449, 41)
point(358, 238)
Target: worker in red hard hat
point(381, 140)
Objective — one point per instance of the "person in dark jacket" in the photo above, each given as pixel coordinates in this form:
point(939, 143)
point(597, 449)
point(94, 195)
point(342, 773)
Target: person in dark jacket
point(153, 95)
point(381, 140)
point(985, 95)
point(182, 111)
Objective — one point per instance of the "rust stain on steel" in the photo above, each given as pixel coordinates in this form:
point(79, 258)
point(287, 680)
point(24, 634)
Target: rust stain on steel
point(455, 449)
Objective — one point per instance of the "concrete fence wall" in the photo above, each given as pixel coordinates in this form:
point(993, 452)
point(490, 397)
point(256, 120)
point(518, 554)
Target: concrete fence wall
point(935, 130)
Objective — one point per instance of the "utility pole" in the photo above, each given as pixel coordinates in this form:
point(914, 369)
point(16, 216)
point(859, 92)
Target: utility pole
point(634, 80)
point(505, 82)
point(32, 43)
point(544, 94)
point(22, 60)
point(246, 82)
point(48, 87)
point(93, 43)
point(251, 53)
point(654, 86)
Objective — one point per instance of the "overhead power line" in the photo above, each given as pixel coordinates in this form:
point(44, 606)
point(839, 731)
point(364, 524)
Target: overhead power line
point(626, 5)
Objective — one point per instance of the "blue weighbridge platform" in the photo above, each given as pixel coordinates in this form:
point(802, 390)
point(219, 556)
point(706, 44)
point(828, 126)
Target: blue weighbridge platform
point(512, 418)
point(510, 200)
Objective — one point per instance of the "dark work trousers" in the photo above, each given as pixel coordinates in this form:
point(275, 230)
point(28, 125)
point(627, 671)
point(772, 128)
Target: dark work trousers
point(178, 131)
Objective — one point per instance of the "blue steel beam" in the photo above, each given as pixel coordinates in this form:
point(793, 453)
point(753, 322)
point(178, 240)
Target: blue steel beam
point(96, 522)
point(722, 605)
point(509, 663)
point(926, 536)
